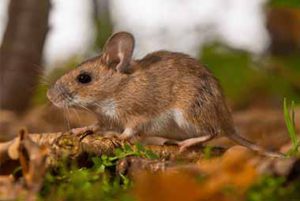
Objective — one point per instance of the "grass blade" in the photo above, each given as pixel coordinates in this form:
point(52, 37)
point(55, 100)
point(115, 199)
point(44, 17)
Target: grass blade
point(289, 117)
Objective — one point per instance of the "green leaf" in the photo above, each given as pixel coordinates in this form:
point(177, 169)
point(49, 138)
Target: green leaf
point(151, 155)
point(139, 147)
point(127, 148)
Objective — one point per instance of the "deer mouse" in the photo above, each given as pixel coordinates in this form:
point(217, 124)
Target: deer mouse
point(165, 94)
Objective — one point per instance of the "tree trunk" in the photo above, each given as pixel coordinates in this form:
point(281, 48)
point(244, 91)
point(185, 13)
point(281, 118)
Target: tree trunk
point(21, 52)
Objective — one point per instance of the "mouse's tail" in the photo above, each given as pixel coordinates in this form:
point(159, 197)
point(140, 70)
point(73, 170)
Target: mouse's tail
point(244, 142)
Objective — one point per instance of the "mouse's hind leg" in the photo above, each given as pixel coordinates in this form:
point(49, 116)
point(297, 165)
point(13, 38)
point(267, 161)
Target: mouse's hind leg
point(185, 144)
point(194, 134)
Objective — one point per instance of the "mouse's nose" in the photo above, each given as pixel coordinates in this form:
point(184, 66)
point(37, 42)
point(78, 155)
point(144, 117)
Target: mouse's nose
point(54, 97)
point(59, 96)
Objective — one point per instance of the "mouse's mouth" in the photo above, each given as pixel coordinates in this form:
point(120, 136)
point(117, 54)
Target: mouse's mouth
point(60, 97)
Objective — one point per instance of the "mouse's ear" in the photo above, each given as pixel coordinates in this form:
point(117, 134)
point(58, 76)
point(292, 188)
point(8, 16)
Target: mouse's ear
point(118, 51)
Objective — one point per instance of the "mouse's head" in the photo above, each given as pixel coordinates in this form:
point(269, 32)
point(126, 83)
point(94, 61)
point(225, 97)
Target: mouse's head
point(97, 78)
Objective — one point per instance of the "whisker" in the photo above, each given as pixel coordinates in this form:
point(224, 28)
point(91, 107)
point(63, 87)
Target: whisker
point(39, 71)
point(99, 105)
point(68, 118)
point(85, 108)
point(65, 119)
point(44, 80)
point(77, 116)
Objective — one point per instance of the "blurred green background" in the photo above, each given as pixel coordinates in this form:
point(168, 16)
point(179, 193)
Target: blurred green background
point(248, 80)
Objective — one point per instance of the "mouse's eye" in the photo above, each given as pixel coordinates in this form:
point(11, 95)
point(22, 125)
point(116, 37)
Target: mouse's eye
point(84, 78)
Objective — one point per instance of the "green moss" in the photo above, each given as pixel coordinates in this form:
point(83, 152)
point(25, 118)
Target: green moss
point(270, 188)
point(98, 182)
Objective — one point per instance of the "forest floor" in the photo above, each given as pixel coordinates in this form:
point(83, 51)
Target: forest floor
point(60, 166)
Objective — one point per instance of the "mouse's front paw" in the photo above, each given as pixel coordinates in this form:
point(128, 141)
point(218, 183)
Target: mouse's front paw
point(77, 131)
point(112, 134)
point(124, 136)
point(127, 134)
point(91, 129)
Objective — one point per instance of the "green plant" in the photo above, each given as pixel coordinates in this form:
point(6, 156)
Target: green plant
point(289, 116)
point(270, 188)
point(120, 153)
point(207, 151)
point(138, 150)
point(266, 189)
point(98, 182)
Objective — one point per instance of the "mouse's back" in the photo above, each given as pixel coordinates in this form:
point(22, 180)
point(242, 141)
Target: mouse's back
point(173, 85)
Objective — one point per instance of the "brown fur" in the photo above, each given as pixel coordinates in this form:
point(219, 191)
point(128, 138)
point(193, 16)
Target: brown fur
point(164, 94)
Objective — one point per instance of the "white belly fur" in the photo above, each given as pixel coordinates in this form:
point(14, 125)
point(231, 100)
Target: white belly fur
point(171, 124)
